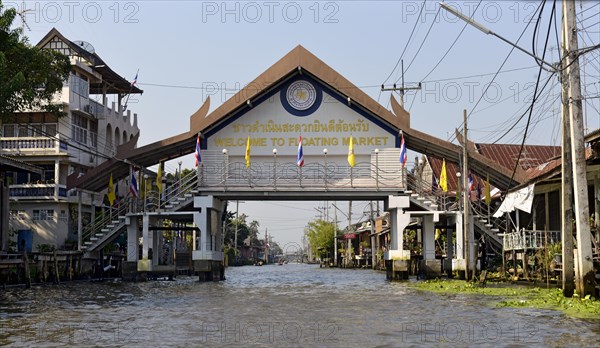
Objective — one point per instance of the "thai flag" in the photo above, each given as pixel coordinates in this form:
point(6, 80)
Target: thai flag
point(198, 157)
point(403, 156)
point(470, 183)
point(133, 187)
point(300, 161)
point(134, 80)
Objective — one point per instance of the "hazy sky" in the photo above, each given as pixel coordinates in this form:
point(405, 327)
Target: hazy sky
point(187, 50)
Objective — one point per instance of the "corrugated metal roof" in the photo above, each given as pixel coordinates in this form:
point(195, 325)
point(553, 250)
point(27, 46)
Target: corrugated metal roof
point(506, 154)
point(533, 158)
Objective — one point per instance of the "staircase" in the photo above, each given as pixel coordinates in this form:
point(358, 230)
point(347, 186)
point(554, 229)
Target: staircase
point(109, 226)
point(105, 228)
point(492, 227)
point(423, 196)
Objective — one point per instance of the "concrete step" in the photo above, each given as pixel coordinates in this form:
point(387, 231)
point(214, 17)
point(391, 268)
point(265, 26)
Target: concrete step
point(496, 230)
point(105, 230)
point(93, 239)
point(188, 195)
point(414, 195)
point(488, 225)
point(87, 243)
point(110, 226)
point(169, 206)
point(99, 235)
point(408, 192)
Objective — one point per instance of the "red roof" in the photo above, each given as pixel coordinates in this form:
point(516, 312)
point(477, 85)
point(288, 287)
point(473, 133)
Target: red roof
point(506, 154)
point(532, 157)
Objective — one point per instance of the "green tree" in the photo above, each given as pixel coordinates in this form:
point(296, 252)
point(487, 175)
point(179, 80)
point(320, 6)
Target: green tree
point(242, 229)
point(320, 236)
point(30, 76)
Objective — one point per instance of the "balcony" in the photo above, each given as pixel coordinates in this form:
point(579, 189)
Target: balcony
point(31, 146)
point(37, 191)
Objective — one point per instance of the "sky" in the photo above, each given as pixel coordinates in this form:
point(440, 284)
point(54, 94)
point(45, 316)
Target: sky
point(188, 50)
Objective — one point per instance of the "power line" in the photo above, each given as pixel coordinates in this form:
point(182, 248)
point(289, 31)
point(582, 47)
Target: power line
point(407, 43)
point(496, 74)
point(423, 41)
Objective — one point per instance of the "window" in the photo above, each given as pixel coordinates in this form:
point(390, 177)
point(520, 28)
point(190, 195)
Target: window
point(23, 131)
point(79, 129)
point(79, 85)
point(51, 129)
point(43, 215)
point(94, 133)
point(63, 216)
point(8, 130)
point(18, 215)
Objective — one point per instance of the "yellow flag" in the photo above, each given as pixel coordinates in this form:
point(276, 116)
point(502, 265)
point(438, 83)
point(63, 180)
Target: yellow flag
point(159, 177)
point(248, 152)
point(111, 191)
point(443, 180)
point(488, 197)
point(351, 160)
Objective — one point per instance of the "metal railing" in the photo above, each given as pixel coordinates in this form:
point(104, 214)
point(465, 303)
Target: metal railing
point(106, 218)
point(530, 240)
point(287, 175)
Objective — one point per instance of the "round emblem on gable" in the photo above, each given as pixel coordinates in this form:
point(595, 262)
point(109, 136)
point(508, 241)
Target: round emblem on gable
point(301, 95)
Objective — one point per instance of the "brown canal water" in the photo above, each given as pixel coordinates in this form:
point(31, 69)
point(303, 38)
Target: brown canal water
point(293, 305)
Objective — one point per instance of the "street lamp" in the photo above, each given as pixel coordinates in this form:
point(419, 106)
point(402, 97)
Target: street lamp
point(224, 167)
point(325, 151)
point(487, 31)
point(275, 168)
point(377, 168)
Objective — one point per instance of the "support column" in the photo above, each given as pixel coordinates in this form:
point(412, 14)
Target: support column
point(144, 264)
point(79, 222)
point(208, 262)
point(397, 258)
point(429, 266)
point(596, 206)
point(132, 240)
point(56, 178)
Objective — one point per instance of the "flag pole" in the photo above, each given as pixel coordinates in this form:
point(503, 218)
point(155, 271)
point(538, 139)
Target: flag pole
point(130, 89)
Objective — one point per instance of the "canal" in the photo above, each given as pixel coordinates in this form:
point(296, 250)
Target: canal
point(293, 305)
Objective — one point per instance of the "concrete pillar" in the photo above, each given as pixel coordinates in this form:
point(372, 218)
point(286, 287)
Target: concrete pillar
point(210, 232)
point(146, 240)
point(132, 240)
point(460, 250)
point(596, 205)
point(56, 178)
point(428, 230)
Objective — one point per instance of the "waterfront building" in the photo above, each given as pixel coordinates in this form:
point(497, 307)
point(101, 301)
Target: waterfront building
point(94, 123)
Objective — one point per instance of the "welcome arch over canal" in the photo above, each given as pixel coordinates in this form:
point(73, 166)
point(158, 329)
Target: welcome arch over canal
point(250, 150)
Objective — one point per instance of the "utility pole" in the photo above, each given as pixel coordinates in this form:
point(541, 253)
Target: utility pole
point(373, 254)
point(566, 181)
point(584, 279)
point(401, 89)
point(349, 243)
point(237, 222)
point(466, 205)
point(335, 230)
